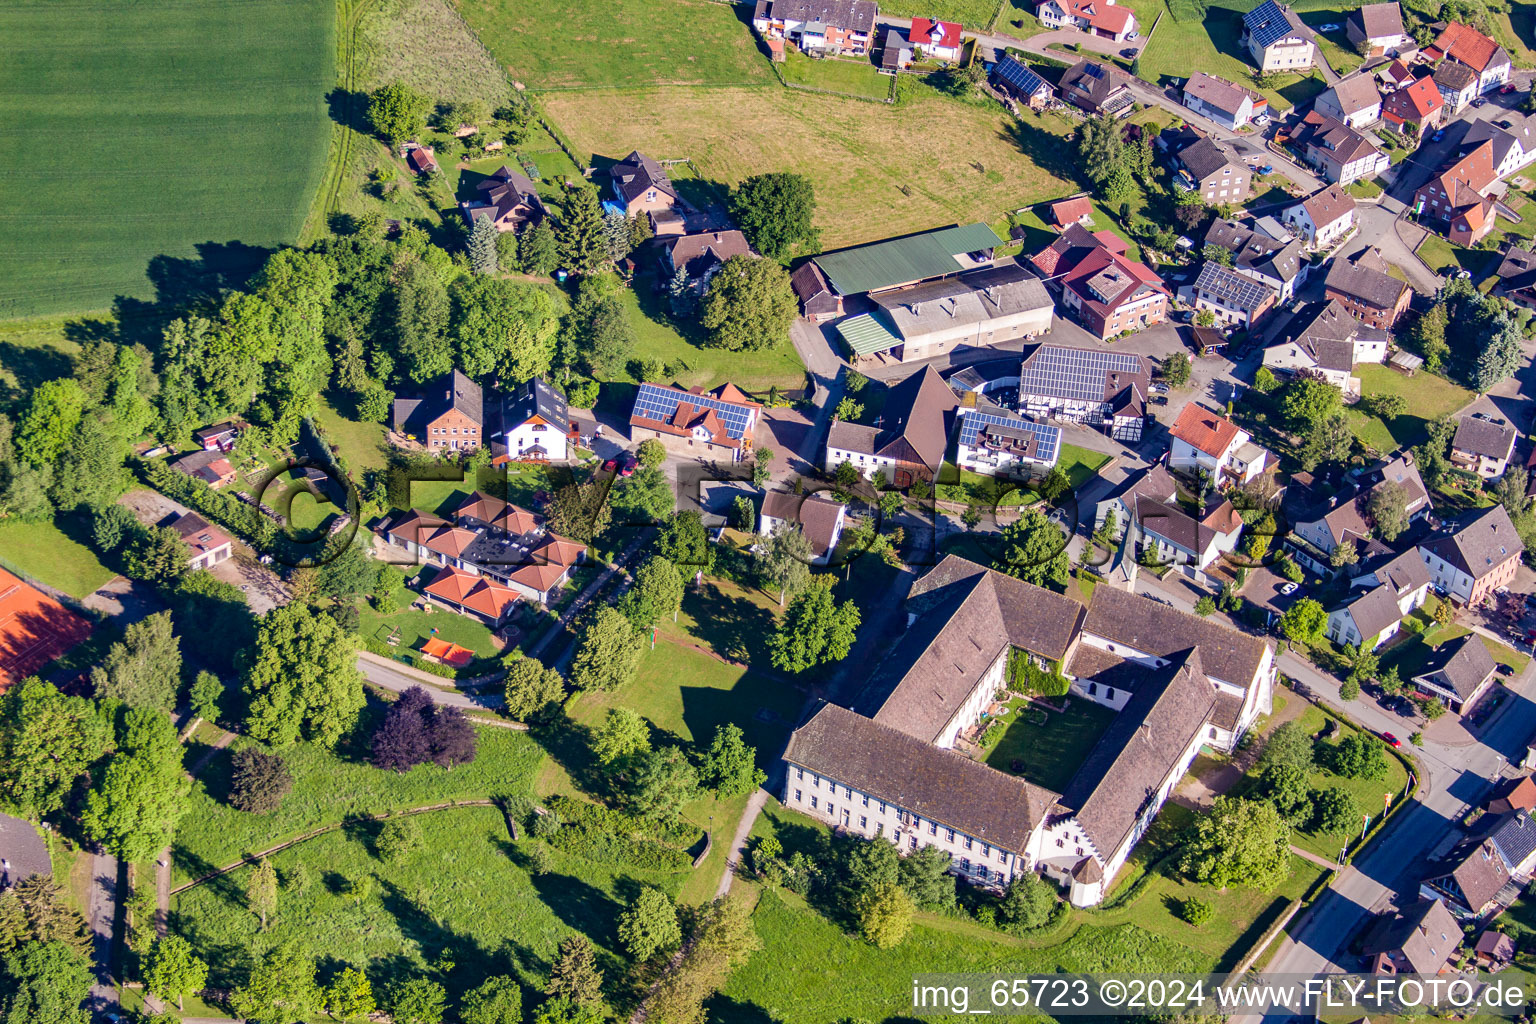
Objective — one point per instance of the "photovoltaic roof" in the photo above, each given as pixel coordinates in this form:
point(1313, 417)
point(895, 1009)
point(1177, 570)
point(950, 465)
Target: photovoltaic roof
point(1017, 75)
point(1232, 289)
point(900, 260)
point(1047, 437)
point(1267, 23)
point(658, 403)
point(1076, 374)
point(866, 335)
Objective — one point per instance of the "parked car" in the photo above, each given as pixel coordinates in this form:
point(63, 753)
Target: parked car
point(1267, 169)
point(1132, 37)
point(628, 461)
point(1439, 134)
point(1480, 101)
point(612, 465)
point(1129, 51)
point(1290, 588)
point(1507, 89)
point(1392, 741)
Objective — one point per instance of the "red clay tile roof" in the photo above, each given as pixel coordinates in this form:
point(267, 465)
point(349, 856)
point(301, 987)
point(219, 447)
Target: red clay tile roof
point(922, 29)
point(448, 540)
point(473, 592)
point(1413, 102)
point(1069, 210)
point(1099, 14)
point(1467, 45)
point(1205, 430)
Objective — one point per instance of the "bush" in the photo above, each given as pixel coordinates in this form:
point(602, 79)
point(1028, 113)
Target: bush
point(398, 837)
point(607, 836)
point(1196, 911)
point(258, 781)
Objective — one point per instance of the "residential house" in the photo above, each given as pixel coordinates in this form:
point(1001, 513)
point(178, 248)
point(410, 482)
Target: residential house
point(535, 425)
point(1403, 572)
point(1467, 46)
point(1416, 108)
point(1077, 210)
point(642, 189)
point(895, 52)
point(1323, 218)
point(211, 467)
point(471, 595)
point(1276, 39)
point(1166, 533)
point(820, 519)
point(700, 255)
point(1104, 291)
point(209, 545)
point(1377, 30)
point(1213, 170)
point(1097, 88)
point(1282, 265)
point(1364, 286)
point(1324, 338)
point(1354, 102)
point(981, 309)
point(1420, 940)
point(1514, 795)
point(218, 438)
point(722, 418)
point(1102, 18)
point(995, 442)
point(908, 440)
point(1473, 880)
point(509, 199)
point(898, 262)
point(1483, 445)
point(818, 301)
point(1457, 200)
point(420, 159)
point(1340, 154)
point(1202, 440)
point(1234, 298)
point(1458, 672)
point(1230, 105)
point(717, 503)
point(1479, 557)
point(1395, 74)
point(1457, 84)
point(1366, 617)
point(1513, 140)
point(449, 416)
point(1517, 277)
point(1012, 76)
point(825, 26)
point(936, 40)
point(1345, 517)
point(1099, 387)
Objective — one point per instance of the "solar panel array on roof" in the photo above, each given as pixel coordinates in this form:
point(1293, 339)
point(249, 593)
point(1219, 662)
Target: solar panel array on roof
point(1047, 437)
point(1230, 288)
point(1267, 23)
point(1076, 374)
point(658, 403)
point(1017, 75)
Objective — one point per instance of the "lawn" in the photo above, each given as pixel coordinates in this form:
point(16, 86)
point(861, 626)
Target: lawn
point(331, 786)
point(854, 77)
point(1444, 257)
point(1367, 792)
point(619, 44)
point(32, 351)
point(1179, 47)
point(1409, 651)
point(193, 137)
point(43, 552)
point(416, 627)
point(976, 14)
point(1336, 48)
point(1080, 464)
point(360, 445)
point(878, 170)
point(1429, 397)
point(466, 892)
point(1052, 751)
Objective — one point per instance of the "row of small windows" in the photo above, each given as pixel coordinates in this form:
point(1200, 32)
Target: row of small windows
point(933, 827)
point(454, 430)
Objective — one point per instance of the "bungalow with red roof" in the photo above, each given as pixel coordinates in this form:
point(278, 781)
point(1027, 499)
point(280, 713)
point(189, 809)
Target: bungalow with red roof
point(1466, 45)
point(1105, 291)
point(1456, 201)
point(1417, 107)
point(938, 40)
point(1072, 211)
point(472, 595)
point(211, 467)
point(419, 158)
point(209, 544)
point(724, 417)
point(1102, 18)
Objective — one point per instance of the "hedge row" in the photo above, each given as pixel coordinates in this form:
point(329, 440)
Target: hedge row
point(221, 507)
point(607, 836)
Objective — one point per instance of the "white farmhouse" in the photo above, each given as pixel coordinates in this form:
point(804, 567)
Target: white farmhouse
point(1205, 440)
point(820, 519)
point(1322, 218)
point(1324, 338)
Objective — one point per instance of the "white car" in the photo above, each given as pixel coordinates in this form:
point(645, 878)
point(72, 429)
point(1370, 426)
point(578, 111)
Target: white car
point(1132, 37)
point(1289, 588)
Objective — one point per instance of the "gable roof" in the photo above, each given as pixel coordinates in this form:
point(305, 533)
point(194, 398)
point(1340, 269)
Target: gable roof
point(1231, 289)
point(1378, 21)
point(695, 254)
point(1415, 101)
point(1426, 935)
point(1479, 435)
point(1482, 543)
point(451, 392)
point(913, 418)
point(1476, 873)
point(198, 534)
point(1514, 795)
point(725, 413)
point(1120, 779)
point(1162, 631)
point(1364, 283)
point(1256, 252)
point(637, 174)
point(1019, 77)
point(1270, 23)
point(1204, 430)
point(1356, 93)
point(1517, 270)
point(1217, 92)
point(1468, 46)
point(1334, 139)
point(1098, 82)
point(817, 516)
point(1372, 610)
point(1454, 77)
point(896, 261)
point(975, 298)
point(1101, 14)
point(1327, 333)
point(1103, 278)
point(1084, 374)
point(1327, 205)
point(812, 289)
point(935, 784)
point(536, 398)
point(1403, 572)
point(926, 31)
point(1068, 211)
point(1205, 157)
point(856, 15)
point(1514, 835)
point(1459, 665)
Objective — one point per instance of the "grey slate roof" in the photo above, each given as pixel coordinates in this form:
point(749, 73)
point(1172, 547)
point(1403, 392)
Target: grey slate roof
point(1514, 836)
point(1453, 76)
point(966, 615)
point(1120, 778)
point(1474, 872)
point(1484, 542)
point(1356, 93)
point(1426, 935)
point(1379, 21)
point(1517, 270)
point(536, 397)
point(1459, 665)
point(1327, 332)
point(1481, 436)
point(1159, 630)
point(1204, 158)
point(934, 783)
point(854, 15)
point(451, 391)
point(915, 416)
point(1404, 572)
point(1257, 252)
point(816, 515)
point(636, 174)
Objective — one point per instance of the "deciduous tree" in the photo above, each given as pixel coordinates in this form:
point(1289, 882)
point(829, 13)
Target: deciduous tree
point(1238, 842)
point(775, 212)
point(785, 560)
point(648, 926)
point(1304, 622)
point(1334, 810)
point(657, 593)
point(884, 913)
point(1034, 549)
point(173, 970)
point(261, 891)
point(496, 1000)
point(302, 679)
point(47, 741)
point(730, 766)
point(144, 668)
point(623, 734)
point(1028, 901)
point(530, 688)
point(749, 305)
point(607, 653)
point(281, 988)
point(1388, 509)
point(349, 996)
point(142, 792)
point(661, 783)
point(418, 1001)
point(44, 983)
point(816, 630)
point(397, 112)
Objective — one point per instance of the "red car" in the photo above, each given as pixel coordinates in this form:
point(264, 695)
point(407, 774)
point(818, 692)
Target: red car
point(612, 465)
point(1507, 89)
point(1392, 741)
point(628, 461)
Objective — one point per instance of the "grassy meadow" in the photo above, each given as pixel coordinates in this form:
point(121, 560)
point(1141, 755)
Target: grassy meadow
point(195, 134)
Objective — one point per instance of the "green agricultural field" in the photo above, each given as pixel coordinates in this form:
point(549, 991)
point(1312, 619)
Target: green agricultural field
point(466, 892)
point(1429, 397)
point(976, 14)
point(194, 134)
point(589, 45)
point(855, 77)
point(879, 170)
point(1180, 47)
point(332, 786)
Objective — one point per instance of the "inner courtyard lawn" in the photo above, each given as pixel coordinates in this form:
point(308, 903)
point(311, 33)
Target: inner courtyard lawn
point(1050, 752)
point(155, 145)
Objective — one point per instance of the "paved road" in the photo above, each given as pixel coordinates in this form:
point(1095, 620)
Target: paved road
point(101, 914)
point(391, 675)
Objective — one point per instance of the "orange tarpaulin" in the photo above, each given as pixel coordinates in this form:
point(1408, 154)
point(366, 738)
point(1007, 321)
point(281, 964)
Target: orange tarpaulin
point(453, 654)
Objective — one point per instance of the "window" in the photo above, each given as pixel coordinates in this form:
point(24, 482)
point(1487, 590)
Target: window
point(848, 792)
point(982, 872)
point(968, 845)
point(866, 799)
point(1213, 732)
point(797, 796)
point(1002, 856)
point(1060, 844)
point(813, 801)
point(965, 864)
point(831, 811)
point(913, 842)
point(933, 828)
point(986, 849)
point(949, 835)
point(815, 781)
point(863, 821)
point(799, 773)
point(882, 806)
